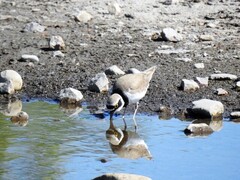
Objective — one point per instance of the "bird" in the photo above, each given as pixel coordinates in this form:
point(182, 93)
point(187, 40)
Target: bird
point(129, 89)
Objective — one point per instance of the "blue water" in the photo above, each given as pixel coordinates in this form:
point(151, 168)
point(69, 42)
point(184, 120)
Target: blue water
point(56, 144)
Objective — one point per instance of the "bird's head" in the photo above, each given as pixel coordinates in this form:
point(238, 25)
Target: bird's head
point(114, 103)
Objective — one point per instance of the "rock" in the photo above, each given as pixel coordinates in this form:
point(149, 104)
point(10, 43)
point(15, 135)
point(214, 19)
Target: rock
point(12, 76)
point(114, 8)
point(121, 176)
point(184, 59)
point(114, 70)
point(20, 119)
point(206, 37)
point(169, 34)
point(70, 95)
point(199, 65)
point(206, 108)
point(133, 71)
point(223, 76)
point(58, 54)
point(235, 115)
point(83, 16)
point(11, 108)
point(99, 83)
point(32, 58)
point(169, 51)
point(169, 2)
point(6, 87)
point(189, 85)
point(34, 27)
point(202, 81)
point(198, 129)
point(221, 92)
point(56, 42)
point(238, 85)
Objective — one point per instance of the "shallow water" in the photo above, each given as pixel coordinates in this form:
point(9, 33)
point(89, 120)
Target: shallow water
point(57, 144)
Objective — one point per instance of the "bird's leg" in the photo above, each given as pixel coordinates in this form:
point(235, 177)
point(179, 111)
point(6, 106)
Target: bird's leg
point(125, 124)
point(136, 108)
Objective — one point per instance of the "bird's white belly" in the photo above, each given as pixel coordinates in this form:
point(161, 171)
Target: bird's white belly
point(134, 97)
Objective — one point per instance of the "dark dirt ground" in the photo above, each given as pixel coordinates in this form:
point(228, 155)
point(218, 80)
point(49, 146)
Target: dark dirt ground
point(123, 41)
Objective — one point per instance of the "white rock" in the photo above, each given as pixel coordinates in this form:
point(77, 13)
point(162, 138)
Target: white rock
point(189, 85)
point(83, 16)
point(58, 54)
point(56, 42)
point(70, 93)
point(238, 85)
point(169, 51)
point(223, 76)
point(12, 76)
point(235, 114)
point(114, 70)
point(114, 8)
point(199, 65)
point(32, 58)
point(221, 92)
point(170, 34)
point(34, 27)
point(207, 108)
point(99, 83)
point(184, 59)
point(206, 37)
point(6, 87)
point(198, 129)
point(203, 81)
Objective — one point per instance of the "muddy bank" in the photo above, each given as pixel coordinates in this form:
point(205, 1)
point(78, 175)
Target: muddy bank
point(123, 40)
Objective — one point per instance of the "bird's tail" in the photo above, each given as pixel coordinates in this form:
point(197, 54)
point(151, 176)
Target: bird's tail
point(149, 72)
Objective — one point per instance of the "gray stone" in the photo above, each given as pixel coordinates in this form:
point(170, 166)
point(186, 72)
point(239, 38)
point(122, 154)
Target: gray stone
point(114, 8)
point(6, 87)
point(206, 108)
point(114, 70)
point(12, 76)
point(34, 27)
point(206, 37)
point(189, 85)
point(202, 81)
point(83, 16)
point(99, 83)
point(58, 54)
point(184, 59)
point(169, 34)
point(70, 95)
point(223, 76)
point(26, 57)
point(56, 42)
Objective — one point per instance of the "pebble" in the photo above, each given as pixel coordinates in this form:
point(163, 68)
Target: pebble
point(114, 70)
point(58, 54)
point(169, 34)
point(99, 83)
point(221, 92)
point(34, 27)
point(223, 76)
point(238, 85)
point(114, 8)
point(20, 119)
point(206, 108)
point(56, 42)
point(206, 37)
point(203, 81)
point(199, 65)
point(184, 59)
point(133, 71)
point(6, 87)
point(189, 85)
point(12, 76)
point(83, 16)
point(235, 114)
point(32, 58)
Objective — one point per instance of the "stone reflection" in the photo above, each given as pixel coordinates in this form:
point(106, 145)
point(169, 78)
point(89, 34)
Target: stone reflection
point(203, 127)
point(71, 109)
point(10, 107)
point(21, 119)
point(127, 144)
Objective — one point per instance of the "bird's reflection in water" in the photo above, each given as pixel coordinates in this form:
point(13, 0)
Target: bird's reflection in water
point(127, 144)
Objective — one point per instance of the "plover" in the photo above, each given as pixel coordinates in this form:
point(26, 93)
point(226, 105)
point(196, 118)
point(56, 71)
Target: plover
point(129, 89)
